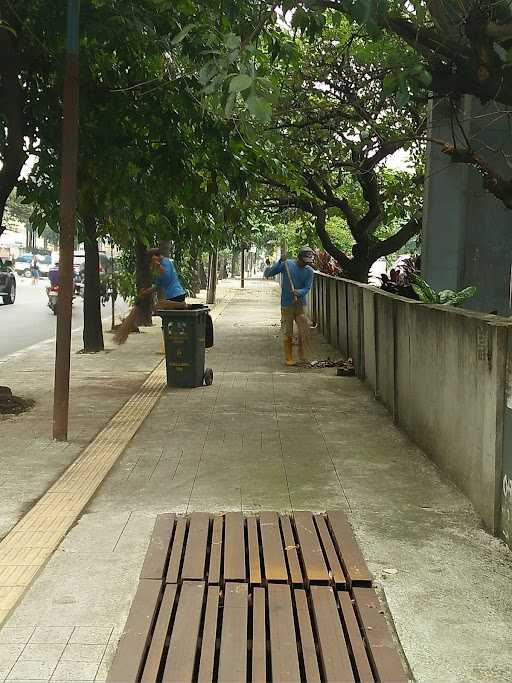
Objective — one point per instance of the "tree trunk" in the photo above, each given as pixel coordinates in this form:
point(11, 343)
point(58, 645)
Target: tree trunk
point(242, 269)
point(11, 112)
point(358, 270)
point(203, 276)
point(143, 280)
point(164, 246)
point(234, 264)
point(212, 280)
point(93, 330)
point(221, 268)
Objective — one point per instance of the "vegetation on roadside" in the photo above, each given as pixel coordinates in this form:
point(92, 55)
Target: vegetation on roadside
point(210, 128)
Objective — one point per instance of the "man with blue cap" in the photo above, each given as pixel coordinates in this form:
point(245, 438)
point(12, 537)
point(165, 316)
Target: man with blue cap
point(293, 295)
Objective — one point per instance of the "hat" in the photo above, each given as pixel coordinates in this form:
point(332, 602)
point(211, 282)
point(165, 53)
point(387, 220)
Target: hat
point(307, 254)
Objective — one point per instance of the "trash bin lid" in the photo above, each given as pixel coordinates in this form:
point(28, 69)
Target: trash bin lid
point(194, 310)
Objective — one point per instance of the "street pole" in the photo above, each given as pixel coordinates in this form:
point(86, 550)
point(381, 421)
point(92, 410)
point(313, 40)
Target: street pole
point(67, 219)
point(113, 286)
point(212, 281)
point(242, 268)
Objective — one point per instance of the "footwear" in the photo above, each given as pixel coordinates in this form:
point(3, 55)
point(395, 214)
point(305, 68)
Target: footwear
point(288, 351)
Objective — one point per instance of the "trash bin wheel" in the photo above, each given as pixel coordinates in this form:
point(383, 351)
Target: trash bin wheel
point(208, 377)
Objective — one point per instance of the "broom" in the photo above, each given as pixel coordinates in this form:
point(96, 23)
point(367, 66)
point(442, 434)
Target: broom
point(300, 318)
point(129, 323)
point(134, 317)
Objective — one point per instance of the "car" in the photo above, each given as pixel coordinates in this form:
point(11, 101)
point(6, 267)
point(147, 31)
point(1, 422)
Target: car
point(7, 282)
point(44, 263)
point(23, 263)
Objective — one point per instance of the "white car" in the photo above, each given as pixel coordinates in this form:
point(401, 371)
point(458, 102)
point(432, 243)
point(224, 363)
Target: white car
point(23, 265)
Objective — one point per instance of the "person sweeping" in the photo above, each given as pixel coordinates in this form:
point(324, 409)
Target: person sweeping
point(165, 279)
point(168, 286)
point(297, 281)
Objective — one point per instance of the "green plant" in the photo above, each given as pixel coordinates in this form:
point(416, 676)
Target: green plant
point(445, 297)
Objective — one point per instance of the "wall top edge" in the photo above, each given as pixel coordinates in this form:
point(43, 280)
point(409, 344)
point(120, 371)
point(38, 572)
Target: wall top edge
point(495, 320)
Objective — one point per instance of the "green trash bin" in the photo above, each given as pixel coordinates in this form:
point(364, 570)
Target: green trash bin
point(184, 340)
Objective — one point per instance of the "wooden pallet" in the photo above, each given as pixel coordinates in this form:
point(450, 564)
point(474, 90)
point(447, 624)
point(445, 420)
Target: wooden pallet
point(272, 597)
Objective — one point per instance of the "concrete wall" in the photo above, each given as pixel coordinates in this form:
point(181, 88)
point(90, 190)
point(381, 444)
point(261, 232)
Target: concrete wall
point(442, 373)
point(467, 238)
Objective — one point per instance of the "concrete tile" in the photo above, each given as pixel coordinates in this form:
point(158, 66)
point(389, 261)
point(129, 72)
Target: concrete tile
point(31, 670)
point(75, 671)
point(78, 652)
point(9, 652)
point(15, 634)
point(45, 652)
point(90, 635)
point(54, 635)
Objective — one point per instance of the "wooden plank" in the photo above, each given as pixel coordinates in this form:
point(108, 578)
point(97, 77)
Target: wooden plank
point(216, 550)
point(181, 657)
point(178, 542)
point(158, 549)
point(312, 555)
point(197, 541)
point(234, 547)
point(273, 554)
point(129, 657)
point(352, 558)
point(290, 549)
point(259, 637)
point(209, 637)
point(283, 645)
point(156, 649)
point(356, 641)
point(330, 552)
point(333, 650)
point(233, 640)
point(386, 661)
point(307, 639)
point(254, 551)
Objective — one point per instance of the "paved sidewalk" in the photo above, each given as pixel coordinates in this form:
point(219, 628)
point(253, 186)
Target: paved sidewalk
point(261, 437)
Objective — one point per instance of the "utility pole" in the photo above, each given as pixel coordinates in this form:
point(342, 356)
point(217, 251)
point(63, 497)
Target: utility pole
point(113, 285)
point(67, 219)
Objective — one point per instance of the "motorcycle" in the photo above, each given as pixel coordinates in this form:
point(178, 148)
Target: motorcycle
point(53, 297)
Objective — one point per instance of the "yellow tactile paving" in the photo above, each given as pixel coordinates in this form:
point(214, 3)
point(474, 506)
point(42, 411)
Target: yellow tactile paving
point(29, 545)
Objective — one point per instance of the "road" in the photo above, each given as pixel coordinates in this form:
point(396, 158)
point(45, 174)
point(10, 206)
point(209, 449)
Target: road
point(29, 320)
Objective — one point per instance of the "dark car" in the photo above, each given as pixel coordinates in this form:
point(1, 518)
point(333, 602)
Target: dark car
point(7, 282)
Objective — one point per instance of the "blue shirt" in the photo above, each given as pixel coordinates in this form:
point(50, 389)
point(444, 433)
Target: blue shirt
point(168, 280)
point(53, 276)
point(302, 280)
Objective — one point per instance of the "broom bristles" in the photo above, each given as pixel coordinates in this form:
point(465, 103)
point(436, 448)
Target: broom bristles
point(128, 325)
point(304, 334)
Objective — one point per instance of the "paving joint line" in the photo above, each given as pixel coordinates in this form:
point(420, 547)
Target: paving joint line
point(40, 532)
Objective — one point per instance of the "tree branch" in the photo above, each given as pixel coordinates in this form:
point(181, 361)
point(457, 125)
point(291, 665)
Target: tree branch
point(327, 243)
point(329, 198)
point(494, 183)
point(11, 106)
point(397, 241)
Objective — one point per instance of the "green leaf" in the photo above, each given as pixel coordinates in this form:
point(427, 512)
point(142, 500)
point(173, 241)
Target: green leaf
point(390, 83)
point(183, 34)
point(240, 83)
point(230, 103)
point(259, 108)
point(232, 41)
point(207, 72)
point(425, 77)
